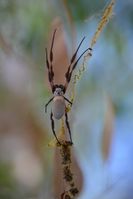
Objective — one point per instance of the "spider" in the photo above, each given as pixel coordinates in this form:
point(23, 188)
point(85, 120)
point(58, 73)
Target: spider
point(59, 106)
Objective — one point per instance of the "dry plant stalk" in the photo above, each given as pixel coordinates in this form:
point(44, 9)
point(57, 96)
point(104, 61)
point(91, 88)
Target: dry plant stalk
point(70, 189)
point(104, 19)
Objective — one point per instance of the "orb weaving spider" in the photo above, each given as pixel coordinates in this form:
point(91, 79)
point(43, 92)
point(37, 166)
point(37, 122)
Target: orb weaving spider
point(59, 106)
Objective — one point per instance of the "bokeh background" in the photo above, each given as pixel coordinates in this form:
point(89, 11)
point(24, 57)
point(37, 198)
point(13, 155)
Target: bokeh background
point(101, 118)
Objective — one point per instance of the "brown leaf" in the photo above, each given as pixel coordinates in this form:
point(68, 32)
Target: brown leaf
point(60, 66)
point(108, 129)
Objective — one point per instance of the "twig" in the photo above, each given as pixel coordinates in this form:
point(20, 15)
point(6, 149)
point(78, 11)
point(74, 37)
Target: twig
point(70, 190)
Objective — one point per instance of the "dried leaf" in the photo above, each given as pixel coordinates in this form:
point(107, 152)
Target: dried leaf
point(108, 129)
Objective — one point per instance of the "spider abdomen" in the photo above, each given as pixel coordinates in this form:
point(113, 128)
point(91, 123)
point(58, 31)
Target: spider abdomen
point(58, 107)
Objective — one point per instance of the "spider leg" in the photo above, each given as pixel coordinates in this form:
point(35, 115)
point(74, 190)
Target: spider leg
point(50, 65)
point(48, 104)
point(68, 127)
point(53, 129)
point(74, 66)
point(71, 62)
point(68, 101)
point(50, 74)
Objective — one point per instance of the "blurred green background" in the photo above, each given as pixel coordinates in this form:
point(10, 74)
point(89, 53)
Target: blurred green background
point(103, 107)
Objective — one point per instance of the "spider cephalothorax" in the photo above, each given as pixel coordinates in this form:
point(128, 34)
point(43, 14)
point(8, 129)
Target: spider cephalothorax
point(58, 88)
point(58, 92)
point(59, 106)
